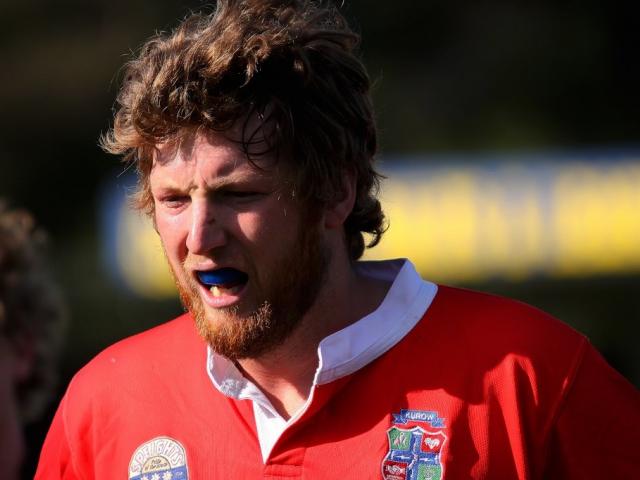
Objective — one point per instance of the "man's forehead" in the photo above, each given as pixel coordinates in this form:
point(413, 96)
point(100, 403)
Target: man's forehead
point(241, 141)
point(214, 157)
point(192, 145)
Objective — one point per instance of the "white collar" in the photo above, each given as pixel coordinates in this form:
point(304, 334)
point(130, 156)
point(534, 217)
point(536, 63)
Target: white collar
point(348, 350)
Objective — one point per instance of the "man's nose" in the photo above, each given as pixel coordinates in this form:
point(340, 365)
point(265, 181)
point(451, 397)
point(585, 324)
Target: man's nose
point(205, 231)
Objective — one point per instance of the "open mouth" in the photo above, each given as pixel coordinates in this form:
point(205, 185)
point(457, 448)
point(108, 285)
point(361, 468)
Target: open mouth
point(223, 281)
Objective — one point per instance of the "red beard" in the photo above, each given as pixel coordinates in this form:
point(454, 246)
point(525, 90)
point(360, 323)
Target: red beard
point(291, 289)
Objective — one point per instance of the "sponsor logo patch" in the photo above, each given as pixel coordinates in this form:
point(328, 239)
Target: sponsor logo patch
point(416, 443)
point(161, 458)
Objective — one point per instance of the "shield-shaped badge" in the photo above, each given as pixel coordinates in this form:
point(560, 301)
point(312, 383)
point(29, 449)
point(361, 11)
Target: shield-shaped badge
point(414, 454)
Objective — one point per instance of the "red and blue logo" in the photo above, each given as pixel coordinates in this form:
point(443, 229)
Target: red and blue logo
point(415, 453)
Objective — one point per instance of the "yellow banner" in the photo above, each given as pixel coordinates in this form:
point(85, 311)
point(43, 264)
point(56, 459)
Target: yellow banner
point(515, 220)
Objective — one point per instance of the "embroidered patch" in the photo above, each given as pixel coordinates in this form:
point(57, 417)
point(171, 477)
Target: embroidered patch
point(414, 452)
point(161, 458)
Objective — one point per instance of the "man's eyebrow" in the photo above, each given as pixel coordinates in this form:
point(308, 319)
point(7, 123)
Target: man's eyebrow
point(219, 183)
point(236, 178)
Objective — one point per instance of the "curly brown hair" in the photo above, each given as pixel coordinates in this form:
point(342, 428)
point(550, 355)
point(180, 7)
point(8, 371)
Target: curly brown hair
point(31, 309)
point(293, 65)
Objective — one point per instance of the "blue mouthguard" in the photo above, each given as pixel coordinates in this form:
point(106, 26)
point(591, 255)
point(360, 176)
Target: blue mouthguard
point(223, 276)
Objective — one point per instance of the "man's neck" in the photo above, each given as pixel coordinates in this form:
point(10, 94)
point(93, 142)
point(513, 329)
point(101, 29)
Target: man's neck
point(285, 374)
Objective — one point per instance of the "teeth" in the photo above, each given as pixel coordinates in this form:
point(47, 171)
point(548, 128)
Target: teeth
point(218, 291)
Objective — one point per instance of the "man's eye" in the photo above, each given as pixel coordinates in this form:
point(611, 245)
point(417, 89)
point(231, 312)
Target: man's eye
point(174, 201)
point(244, 194)
point(241, 195)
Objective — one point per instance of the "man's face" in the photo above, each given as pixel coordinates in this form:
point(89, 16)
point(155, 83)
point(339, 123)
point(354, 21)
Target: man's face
point(217, 214)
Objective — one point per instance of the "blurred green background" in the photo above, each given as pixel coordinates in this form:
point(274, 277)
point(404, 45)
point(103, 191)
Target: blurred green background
point(465, 77)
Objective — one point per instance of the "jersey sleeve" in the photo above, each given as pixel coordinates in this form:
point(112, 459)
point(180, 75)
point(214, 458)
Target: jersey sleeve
point(55, 457)
point(597, 428)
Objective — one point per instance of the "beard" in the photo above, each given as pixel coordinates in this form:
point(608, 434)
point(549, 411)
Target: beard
point(290, 288)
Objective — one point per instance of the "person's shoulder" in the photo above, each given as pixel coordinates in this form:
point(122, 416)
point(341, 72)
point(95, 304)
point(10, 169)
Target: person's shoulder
point(485, 343)
point(161, 350)
point(484, 323)
point(175, 334)
point(130, 385)
point(479, 313)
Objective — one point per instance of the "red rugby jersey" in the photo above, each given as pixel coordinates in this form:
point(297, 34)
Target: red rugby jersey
point(481, 388)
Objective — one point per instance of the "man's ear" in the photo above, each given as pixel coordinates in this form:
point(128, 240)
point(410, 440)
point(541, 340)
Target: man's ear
point(337, 212)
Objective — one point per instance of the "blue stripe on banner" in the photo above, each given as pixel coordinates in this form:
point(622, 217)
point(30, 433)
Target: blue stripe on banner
point(177, 473)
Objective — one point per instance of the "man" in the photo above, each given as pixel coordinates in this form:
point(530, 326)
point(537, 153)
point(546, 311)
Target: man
point(31, 316)
point(253, 134)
